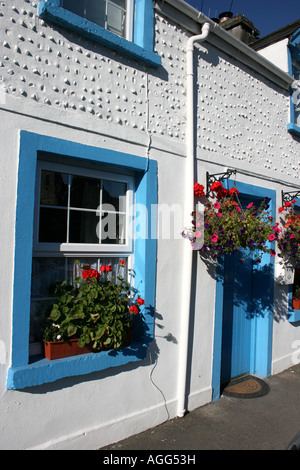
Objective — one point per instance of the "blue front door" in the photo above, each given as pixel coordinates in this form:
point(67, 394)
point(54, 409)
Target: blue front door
point(244, 309)
point(237, 318)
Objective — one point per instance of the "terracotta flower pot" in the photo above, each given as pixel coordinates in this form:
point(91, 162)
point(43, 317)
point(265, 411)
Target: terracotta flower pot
point(296, 304)
point(59, 349)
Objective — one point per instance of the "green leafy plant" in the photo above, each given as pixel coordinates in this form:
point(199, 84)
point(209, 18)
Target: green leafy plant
point(95, 310)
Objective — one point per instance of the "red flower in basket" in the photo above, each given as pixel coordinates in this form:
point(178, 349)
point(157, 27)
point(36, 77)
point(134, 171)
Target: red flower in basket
point(198, 189)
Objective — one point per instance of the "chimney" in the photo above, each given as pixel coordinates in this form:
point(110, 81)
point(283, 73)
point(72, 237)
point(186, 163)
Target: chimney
point(239, 26)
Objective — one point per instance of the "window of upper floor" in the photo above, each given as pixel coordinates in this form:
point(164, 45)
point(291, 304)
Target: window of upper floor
point(294, 70)
point(296, 91)
point(126, 26)
point(114, 15)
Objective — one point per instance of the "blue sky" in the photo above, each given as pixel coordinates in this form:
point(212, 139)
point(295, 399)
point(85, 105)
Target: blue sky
point(267, 15)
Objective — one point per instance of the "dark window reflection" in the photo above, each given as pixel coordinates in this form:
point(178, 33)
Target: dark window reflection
point(113, 193)
point(85, 192)
point(53, 225)
point(54, 188)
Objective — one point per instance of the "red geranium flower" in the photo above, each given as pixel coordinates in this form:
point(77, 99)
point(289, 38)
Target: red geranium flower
point(198, 189)
point(140, 301)
point(133, 309)
point(105, 268)
point(216, 186)
point(88, 273)
point(85, 273)
point(233, 191)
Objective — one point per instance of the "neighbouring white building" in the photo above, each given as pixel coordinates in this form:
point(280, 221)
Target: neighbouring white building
point(93, 100)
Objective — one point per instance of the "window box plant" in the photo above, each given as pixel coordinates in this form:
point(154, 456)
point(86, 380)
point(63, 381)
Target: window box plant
point(92, 315)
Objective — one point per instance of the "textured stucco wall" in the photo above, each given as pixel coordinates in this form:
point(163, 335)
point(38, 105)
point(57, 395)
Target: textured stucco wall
point(241, 116)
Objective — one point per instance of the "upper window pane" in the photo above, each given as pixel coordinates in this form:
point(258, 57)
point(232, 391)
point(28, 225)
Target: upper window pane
point(54, 188)
point(83, 227)
point(113, 193)
point(85, 192)
point(52, 225)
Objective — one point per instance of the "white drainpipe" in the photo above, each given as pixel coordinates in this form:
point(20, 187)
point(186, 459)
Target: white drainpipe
point(188, 208)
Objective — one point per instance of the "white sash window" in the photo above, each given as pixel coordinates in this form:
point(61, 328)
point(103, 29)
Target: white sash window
point(80, 214)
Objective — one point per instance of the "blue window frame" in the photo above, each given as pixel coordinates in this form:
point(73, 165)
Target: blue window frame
point(294, 70)
point(141, 46)
point(22, 373)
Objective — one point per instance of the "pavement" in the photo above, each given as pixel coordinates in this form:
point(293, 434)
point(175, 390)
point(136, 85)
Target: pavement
point(268, 422)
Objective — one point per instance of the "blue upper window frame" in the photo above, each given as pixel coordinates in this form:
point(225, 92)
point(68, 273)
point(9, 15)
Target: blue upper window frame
point(140, 49)
point(22, 373)
point(293, 54)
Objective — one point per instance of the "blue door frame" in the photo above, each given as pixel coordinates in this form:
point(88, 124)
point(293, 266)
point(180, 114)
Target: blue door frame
point(262, 329)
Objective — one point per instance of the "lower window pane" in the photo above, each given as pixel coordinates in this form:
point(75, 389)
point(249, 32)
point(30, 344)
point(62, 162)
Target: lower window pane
point(76, 6)
point(53, 225)
point(83, 227)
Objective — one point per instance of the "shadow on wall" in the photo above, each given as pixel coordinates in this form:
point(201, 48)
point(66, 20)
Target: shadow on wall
point(254, 299)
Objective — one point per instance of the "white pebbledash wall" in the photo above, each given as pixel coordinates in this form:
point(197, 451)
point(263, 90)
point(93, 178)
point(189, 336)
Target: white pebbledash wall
point(57, 84)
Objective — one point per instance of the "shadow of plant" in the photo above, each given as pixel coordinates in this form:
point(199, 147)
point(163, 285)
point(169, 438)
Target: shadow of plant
point(249, 286)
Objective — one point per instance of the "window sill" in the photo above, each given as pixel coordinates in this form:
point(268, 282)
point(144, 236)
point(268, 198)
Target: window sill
point(45, 371)
point(67, 19)
point(294, 316)
point(293, 129)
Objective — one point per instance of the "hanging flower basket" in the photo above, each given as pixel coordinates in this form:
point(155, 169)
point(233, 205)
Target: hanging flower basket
point(226, 227)
point(288, 239)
